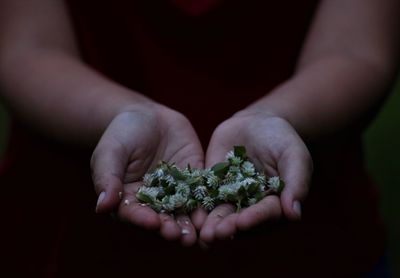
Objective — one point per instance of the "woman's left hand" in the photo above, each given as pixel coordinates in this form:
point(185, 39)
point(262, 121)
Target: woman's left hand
point(275, 148)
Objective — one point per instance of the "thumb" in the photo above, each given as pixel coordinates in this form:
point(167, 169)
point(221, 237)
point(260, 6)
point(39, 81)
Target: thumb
point(108, 164)
point(216, 152)
point(295, 167)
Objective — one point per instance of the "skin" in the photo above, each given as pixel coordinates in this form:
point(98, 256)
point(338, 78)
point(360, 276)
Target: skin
point(133, 143)
point(346, 64)
point(276, 148)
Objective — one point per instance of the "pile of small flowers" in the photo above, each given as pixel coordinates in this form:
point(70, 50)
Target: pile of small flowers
point(235, 181)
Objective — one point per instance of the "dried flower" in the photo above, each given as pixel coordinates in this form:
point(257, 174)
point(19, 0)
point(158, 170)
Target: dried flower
point(236, 181)
point(276, 184)
point(208, 203)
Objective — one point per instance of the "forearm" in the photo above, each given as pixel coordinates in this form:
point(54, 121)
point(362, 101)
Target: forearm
point(43, 79)
point(328, 95)
point(346, 66)
point(59, 94)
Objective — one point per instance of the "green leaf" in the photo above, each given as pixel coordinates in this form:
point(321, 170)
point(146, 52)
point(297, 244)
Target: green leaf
point(157, 206)
point(253, 188)
point(281, 186)
point(154, 182)
point(169, 190)
point(231, 198)
point(242, 192)
point(259, 196)
point(174, 172)
point(162, 182)
point(220, 169)
point(194, 180)
point(190, 205)
point(213, 193)
point(144, 198)
point(239, 151)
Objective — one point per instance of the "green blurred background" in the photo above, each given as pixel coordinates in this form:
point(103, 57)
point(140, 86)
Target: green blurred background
point(382, 141)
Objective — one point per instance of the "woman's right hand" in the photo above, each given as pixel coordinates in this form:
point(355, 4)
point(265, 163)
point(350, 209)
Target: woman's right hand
point(133, 143)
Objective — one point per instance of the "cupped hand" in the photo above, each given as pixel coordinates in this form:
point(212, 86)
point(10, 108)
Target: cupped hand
point(275, 148)
point(133, 143)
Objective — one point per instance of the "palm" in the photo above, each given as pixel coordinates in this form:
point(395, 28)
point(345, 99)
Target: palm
point(132, 145)
point(276, 149)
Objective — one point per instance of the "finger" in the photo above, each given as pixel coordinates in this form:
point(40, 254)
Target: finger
point(108, 164)
point(267, 209)
point(169, 229)
point(134, 212)
point(207, 233)
point(217, 149)
point(295, 168)
point(198, 217)
point(227, 227)
point(138, 214)
point(187, 230)
point(215, 155)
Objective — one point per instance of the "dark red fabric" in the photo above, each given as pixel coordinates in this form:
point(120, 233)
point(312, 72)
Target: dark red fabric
point(207, 59)
point(222, 60)
point(196, 7)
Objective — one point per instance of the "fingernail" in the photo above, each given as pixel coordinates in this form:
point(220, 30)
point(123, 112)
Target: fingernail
point(185, 232)
point(297, 208)
point(100, 199)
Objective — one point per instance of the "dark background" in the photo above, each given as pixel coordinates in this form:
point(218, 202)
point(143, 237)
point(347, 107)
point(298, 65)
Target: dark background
point(382, 142)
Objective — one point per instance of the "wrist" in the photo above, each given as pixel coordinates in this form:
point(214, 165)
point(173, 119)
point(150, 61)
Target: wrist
point(156, 112)
point(272, 107)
